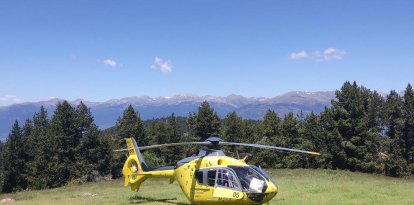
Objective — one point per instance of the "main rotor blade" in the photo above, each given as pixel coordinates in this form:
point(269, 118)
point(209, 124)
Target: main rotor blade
point(270, 147)
point(225, 143)
point(173, 144)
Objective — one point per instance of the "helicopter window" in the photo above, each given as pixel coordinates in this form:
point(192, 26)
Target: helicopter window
point(250, 179)
point(199, 177)
point(261, 171)
point(228, 179)
point(211, 177)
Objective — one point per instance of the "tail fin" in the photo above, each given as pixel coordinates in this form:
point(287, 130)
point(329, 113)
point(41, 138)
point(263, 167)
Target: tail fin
point(134, 166)
point(134, 150)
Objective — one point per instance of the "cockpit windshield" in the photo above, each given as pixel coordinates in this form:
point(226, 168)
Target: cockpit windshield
point(263, 173)
point(250, 180)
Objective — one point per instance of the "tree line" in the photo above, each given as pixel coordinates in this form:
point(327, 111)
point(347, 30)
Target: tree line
point(361, 131)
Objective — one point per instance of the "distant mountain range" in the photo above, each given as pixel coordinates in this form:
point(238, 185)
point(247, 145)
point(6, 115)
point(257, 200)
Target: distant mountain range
point(106, 113)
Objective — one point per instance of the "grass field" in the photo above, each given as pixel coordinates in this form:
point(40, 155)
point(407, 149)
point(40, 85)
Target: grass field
point(295, 187)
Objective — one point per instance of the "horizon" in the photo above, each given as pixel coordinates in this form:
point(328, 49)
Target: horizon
point(100, 50)
point(152, 97)
point(6, 101)
point(3, 102)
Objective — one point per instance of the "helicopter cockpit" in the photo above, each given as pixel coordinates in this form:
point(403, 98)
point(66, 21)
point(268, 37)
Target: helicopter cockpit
point(250, 180)
point(240, 178)
point(237, 178)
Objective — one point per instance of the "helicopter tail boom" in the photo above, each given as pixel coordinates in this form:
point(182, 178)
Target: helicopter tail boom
point(135, 168)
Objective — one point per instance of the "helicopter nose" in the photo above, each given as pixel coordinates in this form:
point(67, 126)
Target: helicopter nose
point(271, 188)
point(270, 192)
point(264, 196)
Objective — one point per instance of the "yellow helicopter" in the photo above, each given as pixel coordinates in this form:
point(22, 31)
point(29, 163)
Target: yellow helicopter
point(210, 177)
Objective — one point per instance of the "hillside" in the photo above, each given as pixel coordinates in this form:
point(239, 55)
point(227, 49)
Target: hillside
point(106, 113)
point(298, 186)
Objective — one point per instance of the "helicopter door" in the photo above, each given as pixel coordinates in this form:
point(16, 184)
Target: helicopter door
point(227, 185)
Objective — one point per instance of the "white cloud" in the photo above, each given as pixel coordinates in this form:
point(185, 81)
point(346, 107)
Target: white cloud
point(299, 55)
point(327, 54)
point(333, 53)
point(9, 100)
point(111, 63)
point(162, 65)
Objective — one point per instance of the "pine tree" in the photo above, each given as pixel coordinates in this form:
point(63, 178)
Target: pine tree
point(163, 131)
point(333, 152)
point(395, 163)
point(131, 125)
point(271, 126)
point(250, 131)
point(94, 153)
point(175, 137)
point(63, 134)
point(27, 154)
point(27, 128)
point(191, 128)
point(359, 133)
point(349, 113)
point(1, 165)
point(374, 127)
point(289, 130)
point(105, 153)
point(40, 147)
point(160, 134)
point(232, 129)
point(87, 151)
point(1, 154)
point(290, 138)
point(311, 134)
point(207, 122)
point(271, 135)
point(408, 132)
point(14, 161)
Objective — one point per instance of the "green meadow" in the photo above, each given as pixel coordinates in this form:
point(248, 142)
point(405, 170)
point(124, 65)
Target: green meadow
point(297, 186)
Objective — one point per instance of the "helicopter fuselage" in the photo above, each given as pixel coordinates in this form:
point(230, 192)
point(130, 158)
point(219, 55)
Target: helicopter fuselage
point(224, 180)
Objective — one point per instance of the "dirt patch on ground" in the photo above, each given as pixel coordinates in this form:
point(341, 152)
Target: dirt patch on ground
point(7, 201)
point(89, 194)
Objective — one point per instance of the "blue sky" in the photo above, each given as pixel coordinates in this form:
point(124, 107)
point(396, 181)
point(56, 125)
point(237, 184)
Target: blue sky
point(99, 50)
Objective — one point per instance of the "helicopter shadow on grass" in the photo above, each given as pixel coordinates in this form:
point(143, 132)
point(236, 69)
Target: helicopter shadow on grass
point(142, 200)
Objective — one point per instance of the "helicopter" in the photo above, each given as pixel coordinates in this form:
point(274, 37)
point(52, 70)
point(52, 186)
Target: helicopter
point(210, 177)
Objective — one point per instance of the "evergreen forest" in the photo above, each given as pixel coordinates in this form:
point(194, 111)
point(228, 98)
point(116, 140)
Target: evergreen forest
point(361, 131)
